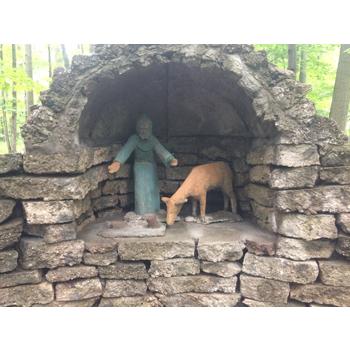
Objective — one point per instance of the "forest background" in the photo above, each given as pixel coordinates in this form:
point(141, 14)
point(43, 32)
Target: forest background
point(25, 70)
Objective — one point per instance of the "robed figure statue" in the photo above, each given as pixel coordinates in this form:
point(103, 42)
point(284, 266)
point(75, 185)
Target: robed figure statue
point(144, 144)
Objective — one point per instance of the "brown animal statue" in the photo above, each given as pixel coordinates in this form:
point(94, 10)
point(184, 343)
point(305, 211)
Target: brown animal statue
point(200, 180)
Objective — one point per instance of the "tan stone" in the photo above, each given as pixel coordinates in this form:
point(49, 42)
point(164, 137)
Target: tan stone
point(10, 232)
point(199, 299)
point(260, 174)
point(196, 284)
point(148, 300)
point(335, 272)
point(280, 269)
point(68, 273)
point(124, 288)
point(222, 268)
point(78, 290)
point(263, 289)
point(174, 267)
point(100, 259)
point(124, 271)
point(27, 295)
point(54, 233)
point(216, 250)
point(19, 277)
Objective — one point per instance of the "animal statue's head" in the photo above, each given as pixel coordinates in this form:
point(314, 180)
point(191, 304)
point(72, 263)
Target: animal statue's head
point(173, 208)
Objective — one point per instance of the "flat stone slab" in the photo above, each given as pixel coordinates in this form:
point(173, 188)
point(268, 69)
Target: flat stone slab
point(148, 300)
point(219, 216)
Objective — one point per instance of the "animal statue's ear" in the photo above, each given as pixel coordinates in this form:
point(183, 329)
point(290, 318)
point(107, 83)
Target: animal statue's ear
point(165, 199)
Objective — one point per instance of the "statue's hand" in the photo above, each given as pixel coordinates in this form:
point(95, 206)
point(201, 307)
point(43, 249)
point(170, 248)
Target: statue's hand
point(114, 167)
point(174, 162)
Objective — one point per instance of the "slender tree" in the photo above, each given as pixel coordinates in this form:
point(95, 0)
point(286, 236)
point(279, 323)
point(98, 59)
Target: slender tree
point(3, 99)
point(14, 102)
point(303, 60)
point(65, 56)
point(29, 71)
point(292, 57)
point(49, 59)
point(341, 93)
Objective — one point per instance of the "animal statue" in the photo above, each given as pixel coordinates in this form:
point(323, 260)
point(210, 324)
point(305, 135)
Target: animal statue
point(200, 180)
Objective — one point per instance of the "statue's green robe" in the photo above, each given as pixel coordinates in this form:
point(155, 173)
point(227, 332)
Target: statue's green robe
point(145, 170)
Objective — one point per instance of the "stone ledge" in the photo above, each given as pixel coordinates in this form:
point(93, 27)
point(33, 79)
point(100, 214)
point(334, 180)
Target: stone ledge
point(78, 290)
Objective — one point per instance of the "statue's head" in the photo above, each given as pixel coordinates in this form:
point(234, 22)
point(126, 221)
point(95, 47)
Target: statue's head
point(144, 127)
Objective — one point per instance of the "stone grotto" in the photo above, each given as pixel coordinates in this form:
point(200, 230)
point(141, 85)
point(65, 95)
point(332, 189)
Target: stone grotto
point(207, 103)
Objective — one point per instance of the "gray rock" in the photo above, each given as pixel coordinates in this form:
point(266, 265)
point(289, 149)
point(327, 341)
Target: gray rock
point(10, 162)
point(124, 288)
point(27, 295)
point(321, 294)
point(260, 174)
point(261, 156)
point(298, 249)
point(105, 202)
point(255, 303)
point(177, 173)
point(343, 220)
point(174, 267)
point(261, 194)
point(117, 187)
point(262, 289)
point(222, 269)
point(19, 277)
point(196, 284)
point(156, 248)
point(148, 300)
point(308, 227)
point(6, 208)
point(68, 273)
point(280, 269)
point(336, 175)
point(124, 271)
point(265, 216)
point(76, 303)
point(168, 187)
point(100, 259)
point(54, 233)
point(216, 250)
point(335, 155)
point(36, 254)
point(331, 199)
point(343, 245)
point(10, 232)
point(283, 178)
point(199, 299)
point(78, 290)
point(100, 246)
point(335, 272)
point(8, 260)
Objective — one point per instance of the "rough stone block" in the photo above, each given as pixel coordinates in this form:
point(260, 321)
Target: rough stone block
point(298, 249)
point(240, 165)
point(124, 288)
point(100, 259)
point(308, 227)
point(6, 208)
point(199, 299)
point(168, 187)
point(78, 290)
point(256, 303)
point(10, 162)
point(261, 156)
point(261, 194)
point(10, 232)
point(336, 175)
point(19, 277)
point(76, 303)
point(343, 245)
point(100, 246)
point(321, 294)
point(177, 173)
point(266, 217)
point(174, 267)
point(105, 202)
point(126, 200)
point(53, 233)
point(196, 284)
point(124, 271)
point(157, 248)
point(8, 260)
point(263, 289)
point(335, 272)
point(343, 220)
point(331, 199)
point(68, 273)
point(55, 212)
point(27, 295)
point(280, 269)
point(216, 250)
point(36, 254)
point(283, 178)
point(260, 174)
point(118, 187)
point(222, 268)
point(148, 300)
point(335, 155)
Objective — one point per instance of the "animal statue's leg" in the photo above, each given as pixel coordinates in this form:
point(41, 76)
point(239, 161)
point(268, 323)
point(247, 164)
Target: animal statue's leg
point(194, 207)
point(203, 205)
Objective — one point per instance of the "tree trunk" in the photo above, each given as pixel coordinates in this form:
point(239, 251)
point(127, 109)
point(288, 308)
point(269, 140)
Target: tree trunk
point(49, 59)
point(292, 57)
point(303, 59)
point(29, 71)
point(341, 93)
point(65, 57)
point(14, 103)
point(3, 109)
